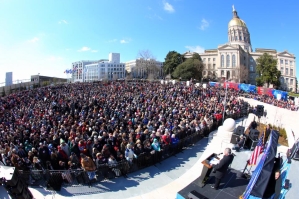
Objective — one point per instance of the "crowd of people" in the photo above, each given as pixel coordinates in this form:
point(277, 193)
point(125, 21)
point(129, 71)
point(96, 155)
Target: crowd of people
point(287, 104)
point(85, 125)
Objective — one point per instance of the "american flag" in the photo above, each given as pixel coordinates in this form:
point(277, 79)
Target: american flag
point(257, 151)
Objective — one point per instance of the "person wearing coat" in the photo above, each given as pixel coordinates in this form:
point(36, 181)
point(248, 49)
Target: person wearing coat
point(221, 167)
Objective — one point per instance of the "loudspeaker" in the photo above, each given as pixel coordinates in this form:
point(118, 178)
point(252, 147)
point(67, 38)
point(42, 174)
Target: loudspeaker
point(254, 134)
point(234, 138)
point(240, 130)
point(259, 110)
point(195, 195)
point(250, 144)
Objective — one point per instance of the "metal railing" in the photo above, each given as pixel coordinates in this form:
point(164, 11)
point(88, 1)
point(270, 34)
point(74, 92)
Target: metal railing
point(55, 179)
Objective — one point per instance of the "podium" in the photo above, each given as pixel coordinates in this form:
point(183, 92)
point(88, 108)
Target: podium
point(207, 169)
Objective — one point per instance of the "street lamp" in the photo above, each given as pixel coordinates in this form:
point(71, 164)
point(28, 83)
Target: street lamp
point(224, 103)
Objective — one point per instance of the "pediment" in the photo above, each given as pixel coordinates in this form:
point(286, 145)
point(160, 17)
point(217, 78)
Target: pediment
point(227, 47)
point(285, 54)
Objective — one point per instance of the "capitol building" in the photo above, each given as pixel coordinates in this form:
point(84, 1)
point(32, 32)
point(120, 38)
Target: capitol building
point(236, 60)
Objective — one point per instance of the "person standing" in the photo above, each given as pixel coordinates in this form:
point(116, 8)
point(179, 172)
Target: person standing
point(222, 167)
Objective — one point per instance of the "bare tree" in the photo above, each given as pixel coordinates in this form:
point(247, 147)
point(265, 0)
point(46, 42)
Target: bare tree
point(240, 74)
point(150, 70)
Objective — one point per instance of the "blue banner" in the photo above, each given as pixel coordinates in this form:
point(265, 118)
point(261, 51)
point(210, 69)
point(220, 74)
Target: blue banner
point(257, 171)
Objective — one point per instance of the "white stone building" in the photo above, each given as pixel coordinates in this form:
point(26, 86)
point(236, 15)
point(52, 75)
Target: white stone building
point(138, 67)
point(236, 60)
point(88, 71)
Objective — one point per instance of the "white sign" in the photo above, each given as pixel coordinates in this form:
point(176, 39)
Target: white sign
point(162, 81)
point(204, 85)
point(197, 84)
point(278, 96)
point(188, 83)
point(173, 82)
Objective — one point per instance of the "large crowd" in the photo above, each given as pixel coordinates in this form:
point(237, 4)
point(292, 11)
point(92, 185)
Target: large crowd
point(85, 125)
point(287, 104)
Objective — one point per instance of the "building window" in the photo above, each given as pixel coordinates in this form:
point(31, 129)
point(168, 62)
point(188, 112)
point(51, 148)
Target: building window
point(209, 59)
point(214, 66)
point(251, 68)
point(232, 38)
point(287, 80)
point(222, 60)
point(286, 62)
point(222, 72)
point(251, 59)
point(204, 59)
point(204, 72)
point(287, 71)
point(281, 80)
point(214, 59)
point(244, 38)
point(281, 61)
point(240, 38)
point(236, 38)
point(291, 63)
point(227, 60)
point(291, 72)
point(234, 60)
point(281, 70)
point(291, 82)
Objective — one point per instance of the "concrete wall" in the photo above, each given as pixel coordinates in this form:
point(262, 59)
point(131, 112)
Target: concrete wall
point(280, 117)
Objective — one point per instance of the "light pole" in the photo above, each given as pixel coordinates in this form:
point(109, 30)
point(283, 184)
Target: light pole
point(224, 103)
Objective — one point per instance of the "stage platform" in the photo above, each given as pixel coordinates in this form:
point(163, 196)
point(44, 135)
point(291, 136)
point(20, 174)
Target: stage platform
point(231, 187)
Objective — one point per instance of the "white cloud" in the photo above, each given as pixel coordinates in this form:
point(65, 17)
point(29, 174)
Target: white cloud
point(168, 7)
point(197, 49)
point(62, 22)
point(84, 49)
point(125, 41)
point(94, 51)
point(204, 24)
point(34, 40)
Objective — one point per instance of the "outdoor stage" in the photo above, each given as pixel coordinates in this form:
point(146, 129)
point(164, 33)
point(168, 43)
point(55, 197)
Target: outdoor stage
point(231, 187)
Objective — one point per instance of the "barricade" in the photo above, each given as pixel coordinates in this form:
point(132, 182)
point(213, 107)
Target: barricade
point(79, 177)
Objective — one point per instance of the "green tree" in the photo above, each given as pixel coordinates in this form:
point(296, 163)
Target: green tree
point(191, 68)
point(267, 71)
point(172, 60)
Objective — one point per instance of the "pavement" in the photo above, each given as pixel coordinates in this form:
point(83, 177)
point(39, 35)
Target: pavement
point(161, 181)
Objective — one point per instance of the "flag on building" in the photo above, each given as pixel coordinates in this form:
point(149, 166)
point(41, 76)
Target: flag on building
point(257, 151)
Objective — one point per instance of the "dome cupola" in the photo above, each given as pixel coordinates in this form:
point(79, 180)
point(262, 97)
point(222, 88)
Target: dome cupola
point(238, 32)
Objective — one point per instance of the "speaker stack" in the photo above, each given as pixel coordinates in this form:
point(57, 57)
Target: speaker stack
point(236, 135)
point(259, 110)
point(14, 185)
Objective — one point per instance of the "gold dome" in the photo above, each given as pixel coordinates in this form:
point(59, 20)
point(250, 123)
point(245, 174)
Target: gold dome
point(237, 22)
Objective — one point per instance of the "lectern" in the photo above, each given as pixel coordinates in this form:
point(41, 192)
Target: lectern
point(207, 169)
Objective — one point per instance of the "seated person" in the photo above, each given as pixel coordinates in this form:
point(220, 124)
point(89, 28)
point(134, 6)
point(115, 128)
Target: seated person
point(240, 143)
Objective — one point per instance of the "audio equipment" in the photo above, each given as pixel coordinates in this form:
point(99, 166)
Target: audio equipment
point(254, 134)
point(259, 110)
point(240, 130)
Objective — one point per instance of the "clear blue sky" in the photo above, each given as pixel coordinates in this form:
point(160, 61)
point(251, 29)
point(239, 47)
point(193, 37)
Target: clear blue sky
point(47, 36)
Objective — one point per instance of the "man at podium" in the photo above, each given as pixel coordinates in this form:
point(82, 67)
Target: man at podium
point(222, 166)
